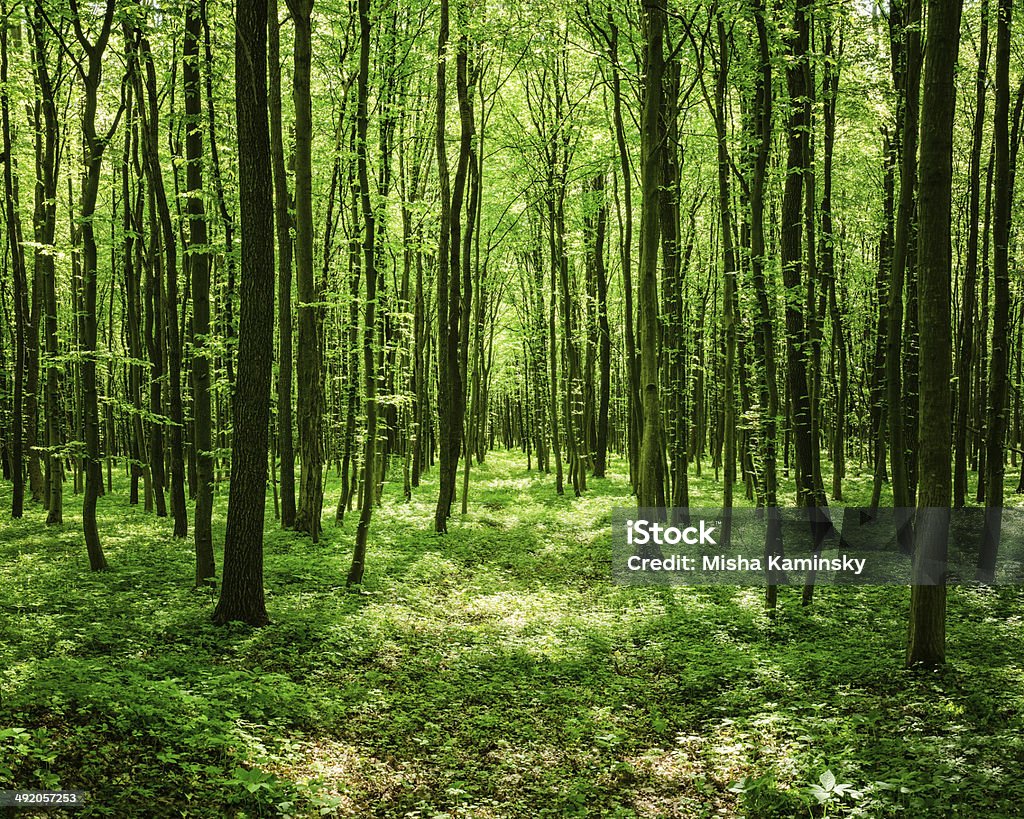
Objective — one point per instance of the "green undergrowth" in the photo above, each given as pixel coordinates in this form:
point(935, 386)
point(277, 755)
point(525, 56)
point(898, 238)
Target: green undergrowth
point(492, 672)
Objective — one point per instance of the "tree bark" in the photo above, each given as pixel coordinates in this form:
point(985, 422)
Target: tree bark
point(355, 573)
point(999, 362)
point(760, 126)
point(729, 263)
point(241, 596)
point(908, 84)
point(91, 73)
point(309, 364)
point(452, 289)
point(926, 643)
point(199, 272)
point(604, 328)
point(47, 137)
point(25, 331)
point(284, 223)
point(792, 256)
point(151, 149)
point(830, 92)
point(966, 347)
point(650, 488)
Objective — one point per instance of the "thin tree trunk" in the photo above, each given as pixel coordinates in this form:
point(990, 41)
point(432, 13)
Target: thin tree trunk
point(729, 262)
point(792, 256)
point(47, 135)
point(966, 347)
point(309, 365)
point(452, 290)
point(909, 84)
point(24, 329)
point(199, 268)
point(830, 92)
point(604, 328)
point(760, 125)
point(355, 573)
point(650, 487)
point(153, 168)
point(878, 392)
point(999, 361)
point(284, 224)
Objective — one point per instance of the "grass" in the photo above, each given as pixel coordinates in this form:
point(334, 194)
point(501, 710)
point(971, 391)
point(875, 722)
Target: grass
point(493, 672)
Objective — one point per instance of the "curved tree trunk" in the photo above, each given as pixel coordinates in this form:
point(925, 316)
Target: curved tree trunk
point(91, 72)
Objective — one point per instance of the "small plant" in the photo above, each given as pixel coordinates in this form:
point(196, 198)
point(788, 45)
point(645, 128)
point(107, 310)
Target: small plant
point(827, 791)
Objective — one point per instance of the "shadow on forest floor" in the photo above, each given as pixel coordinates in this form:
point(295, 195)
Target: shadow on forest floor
point(492, 672)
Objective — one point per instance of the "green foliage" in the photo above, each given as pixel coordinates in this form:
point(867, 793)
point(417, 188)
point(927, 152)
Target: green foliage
point(495, 671)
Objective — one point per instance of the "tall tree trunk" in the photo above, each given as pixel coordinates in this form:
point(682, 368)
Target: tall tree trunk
point(981, 349)
point(444, 273)
point(475, 422)
point(634, 408)
point(878, 391)
point(26, 333)
point(91, 72)
point(552, 338)
point(355, 573)
point(729, 262)
point(47, 135)
point(909, 74)
point(154, 171)
point(154, 333)
point(352, 337)
point(999, 362)
point(792, 255)
point(241, 596)
point(830, 92)
point(760, 125)
point(451, 286)
point(559, 155)
point(650, 487)
point(199, 271)
point(284, 224)
point(966, 341)
point(926, 643)
point(309, 369)
point(227, 220)
point(675, 262)
point(604, 328)
point(132, 224)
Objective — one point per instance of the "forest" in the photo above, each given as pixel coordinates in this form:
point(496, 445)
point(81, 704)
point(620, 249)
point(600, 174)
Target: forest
point(336, 334)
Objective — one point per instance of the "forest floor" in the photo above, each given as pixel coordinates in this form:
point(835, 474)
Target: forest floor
point(494, 672)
